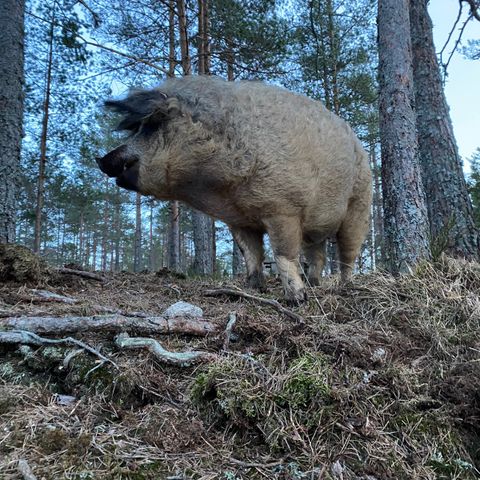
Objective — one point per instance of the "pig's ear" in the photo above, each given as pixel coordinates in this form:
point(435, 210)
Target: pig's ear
point(138, 106)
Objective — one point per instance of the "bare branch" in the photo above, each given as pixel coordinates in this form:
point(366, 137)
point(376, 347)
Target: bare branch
point(474, 6)
point(109, 323)
point(29, 338)
point(230, 292)
point(182, 359)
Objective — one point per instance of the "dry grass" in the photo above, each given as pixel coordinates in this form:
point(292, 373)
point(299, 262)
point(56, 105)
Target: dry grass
point(381, 382)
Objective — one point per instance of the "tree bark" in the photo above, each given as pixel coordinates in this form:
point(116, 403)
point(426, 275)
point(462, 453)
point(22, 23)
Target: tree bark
point(43, 144)
point(137, 254)
point(449, 207)
point(11, 111)
point(203, 225)
point(109, 323)
point(173, 243)
point(405, 211)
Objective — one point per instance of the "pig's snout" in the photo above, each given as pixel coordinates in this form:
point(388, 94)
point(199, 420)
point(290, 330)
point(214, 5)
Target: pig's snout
point(122, 165)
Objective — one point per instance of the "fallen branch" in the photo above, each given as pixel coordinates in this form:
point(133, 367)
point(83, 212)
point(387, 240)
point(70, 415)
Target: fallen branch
point(24, 469)
point(110, 323)
point(47, 296)
point(230, 292)
point(232, 318)
point(182, 359)
point(29, 338)
point(81, 273)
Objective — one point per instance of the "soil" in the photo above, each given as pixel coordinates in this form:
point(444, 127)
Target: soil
point(382, 381)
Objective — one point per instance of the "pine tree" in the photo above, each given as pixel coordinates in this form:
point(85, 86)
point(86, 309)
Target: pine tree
point(11, 111)
point(406, 220)
point(449, 206)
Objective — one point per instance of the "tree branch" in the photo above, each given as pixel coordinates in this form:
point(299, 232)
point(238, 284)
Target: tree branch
point(110, 323)
point(182, 359)
point(264, 301)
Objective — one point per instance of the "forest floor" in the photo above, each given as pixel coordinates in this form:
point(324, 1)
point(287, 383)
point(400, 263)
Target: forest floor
point(380, 381)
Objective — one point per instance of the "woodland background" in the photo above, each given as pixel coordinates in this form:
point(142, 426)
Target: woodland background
point(79, 53)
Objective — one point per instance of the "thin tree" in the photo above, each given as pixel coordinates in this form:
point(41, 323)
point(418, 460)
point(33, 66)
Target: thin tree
point(173, 257)
point(137, 251)
point(449, 207)
point(11, 111)
point(405, 211)
point(202, 231)
point(43, 139)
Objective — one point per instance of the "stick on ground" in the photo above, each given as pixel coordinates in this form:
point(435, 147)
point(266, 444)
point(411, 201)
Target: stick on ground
point(182, 359)
point(109, 323)
point(81, 273)
point(24, 469)
point(29, 338)
point(230, 292)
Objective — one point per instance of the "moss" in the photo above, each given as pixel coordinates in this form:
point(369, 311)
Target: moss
point(19, 264)
point(54, 440)
point(308, 380)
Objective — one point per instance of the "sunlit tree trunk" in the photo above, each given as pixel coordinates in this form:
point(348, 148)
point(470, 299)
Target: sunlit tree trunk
point(449, 207)
point(11, 111)
point(406, 220)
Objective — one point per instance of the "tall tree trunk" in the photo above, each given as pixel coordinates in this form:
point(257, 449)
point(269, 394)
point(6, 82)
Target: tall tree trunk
point(118, 231)
point(11, 111)
point(183, 34)
point(173, 244)
point(105, 227)
point(43, 144)
point(174, 237)
point(449, 207)
point(237, 265)
point(151, 262)
point(405, 211)
point(377, 221)
point(202, 224)
point(137, 253)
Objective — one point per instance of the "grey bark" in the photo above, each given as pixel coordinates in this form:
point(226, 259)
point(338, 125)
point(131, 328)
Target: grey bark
point(11, 111)
point(449, 206)
point(203, 225)
point(137, 253)
point(405, 211)
point(43, 144)
point(174, 237)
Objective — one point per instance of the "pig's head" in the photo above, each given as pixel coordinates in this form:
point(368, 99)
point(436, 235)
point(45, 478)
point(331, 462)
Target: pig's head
point(147, 115)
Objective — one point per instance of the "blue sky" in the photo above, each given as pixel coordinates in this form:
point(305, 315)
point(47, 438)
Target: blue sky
point(462, 87)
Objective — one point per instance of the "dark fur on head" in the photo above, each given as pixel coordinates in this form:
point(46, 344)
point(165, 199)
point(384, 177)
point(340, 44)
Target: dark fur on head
point(140, 105)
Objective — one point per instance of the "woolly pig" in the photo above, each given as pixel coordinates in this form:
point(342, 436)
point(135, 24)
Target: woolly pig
point(256, 156)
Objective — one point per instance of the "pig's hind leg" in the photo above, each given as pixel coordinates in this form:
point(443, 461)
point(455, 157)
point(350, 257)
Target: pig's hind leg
point(250, 242)
point(351, 235)
point(315, 255)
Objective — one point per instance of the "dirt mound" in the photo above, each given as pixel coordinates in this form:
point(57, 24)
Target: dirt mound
point(382, 381)
point(19, 264)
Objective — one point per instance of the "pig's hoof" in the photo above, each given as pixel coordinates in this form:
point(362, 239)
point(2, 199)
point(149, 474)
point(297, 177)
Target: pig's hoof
point(257, 281)
point(294, 299)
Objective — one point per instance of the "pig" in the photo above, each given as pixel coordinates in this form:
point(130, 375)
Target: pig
point(259, 158)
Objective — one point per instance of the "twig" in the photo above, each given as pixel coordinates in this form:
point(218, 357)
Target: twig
point(473, 8)
point(81, 273)
point(24, 469)
point(256, 464)
point(110, 323)
point(30, 338)
point(230, 292)
point(182, 359)
point(232, 318)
